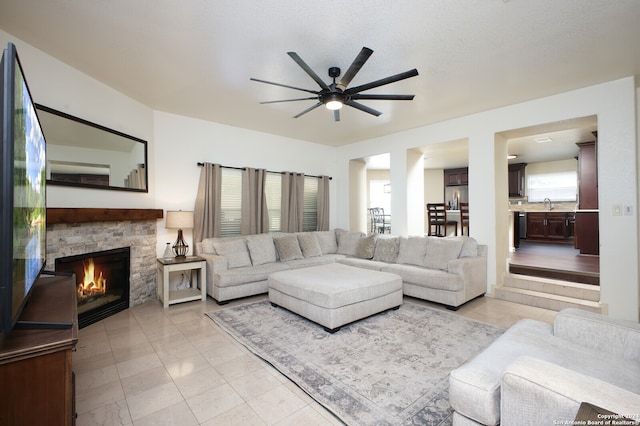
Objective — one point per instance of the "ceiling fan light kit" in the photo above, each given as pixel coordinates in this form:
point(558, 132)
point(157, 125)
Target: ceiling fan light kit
point(333, 96)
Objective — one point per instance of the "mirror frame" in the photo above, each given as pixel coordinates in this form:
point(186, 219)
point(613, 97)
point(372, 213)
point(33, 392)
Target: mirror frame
point(64, 115)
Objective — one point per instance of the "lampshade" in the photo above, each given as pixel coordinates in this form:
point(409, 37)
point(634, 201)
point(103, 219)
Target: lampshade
point(179, 220)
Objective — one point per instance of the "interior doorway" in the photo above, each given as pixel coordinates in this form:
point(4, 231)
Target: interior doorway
point(544, 201)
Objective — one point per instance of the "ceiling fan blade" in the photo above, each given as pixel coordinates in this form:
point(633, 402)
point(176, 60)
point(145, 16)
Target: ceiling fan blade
point(282, 85)
point(308, 109)
point(383, 97)
point(336, 115)
point(382, 82)
point(361, 107)
point(308, 70)
point(288, 100)
point(355, 66)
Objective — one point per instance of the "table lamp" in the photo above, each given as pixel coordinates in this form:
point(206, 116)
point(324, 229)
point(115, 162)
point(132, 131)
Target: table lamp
point(180, 220)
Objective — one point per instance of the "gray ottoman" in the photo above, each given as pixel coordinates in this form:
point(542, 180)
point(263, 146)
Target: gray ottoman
point(333, 295)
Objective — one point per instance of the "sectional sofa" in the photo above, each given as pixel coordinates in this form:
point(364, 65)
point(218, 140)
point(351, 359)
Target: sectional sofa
point(449, 271)
point(537, 373)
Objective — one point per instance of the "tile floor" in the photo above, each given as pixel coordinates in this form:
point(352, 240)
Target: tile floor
point(153, 366)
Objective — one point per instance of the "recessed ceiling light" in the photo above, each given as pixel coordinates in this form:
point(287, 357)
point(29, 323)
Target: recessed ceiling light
point(511, 157)
point(543, 139)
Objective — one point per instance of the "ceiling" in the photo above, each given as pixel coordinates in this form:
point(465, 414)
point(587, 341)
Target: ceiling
point(195, 57)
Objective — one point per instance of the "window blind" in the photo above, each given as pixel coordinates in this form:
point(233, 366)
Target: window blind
point(273, 197)
point(231, 202)
point(310, 209)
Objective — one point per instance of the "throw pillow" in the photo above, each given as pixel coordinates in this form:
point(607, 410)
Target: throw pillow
point(440, 251)
point(327, 241)
point(261, 249)
point(309, 244)
point(412, 250)
point(469, 247)
point(207, 246)
point(288, 247)
point(235, 251)
point(366, 247)
point(348, 241)
point(387, 249)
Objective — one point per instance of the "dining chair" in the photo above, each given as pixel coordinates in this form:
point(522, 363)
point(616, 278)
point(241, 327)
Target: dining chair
point(381, 222)
point(438, 222)
point(464, 218)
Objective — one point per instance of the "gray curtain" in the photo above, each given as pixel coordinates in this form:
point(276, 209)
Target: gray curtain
point(323, 203)
point(254, 218)
point(206, 213)
point(292, 202)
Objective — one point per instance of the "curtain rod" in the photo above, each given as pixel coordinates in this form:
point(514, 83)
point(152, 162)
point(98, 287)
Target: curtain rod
point(200, 164)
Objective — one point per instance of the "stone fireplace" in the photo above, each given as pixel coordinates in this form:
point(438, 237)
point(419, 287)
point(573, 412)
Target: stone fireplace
point(74, 233)
point(102, 282)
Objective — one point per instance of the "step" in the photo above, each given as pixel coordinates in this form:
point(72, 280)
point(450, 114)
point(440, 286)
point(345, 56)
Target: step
point(553, 286)
point(544, 300)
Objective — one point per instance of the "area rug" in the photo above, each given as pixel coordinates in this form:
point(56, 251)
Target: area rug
point(389, 369)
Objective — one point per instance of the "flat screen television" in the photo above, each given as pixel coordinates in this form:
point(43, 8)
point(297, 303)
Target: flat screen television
point(22, 192)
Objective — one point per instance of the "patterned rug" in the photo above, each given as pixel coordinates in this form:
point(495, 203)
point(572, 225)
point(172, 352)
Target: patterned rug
point(389, 369)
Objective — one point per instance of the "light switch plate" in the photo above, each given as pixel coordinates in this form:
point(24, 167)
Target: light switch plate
point(628, 210)
point(617, 210)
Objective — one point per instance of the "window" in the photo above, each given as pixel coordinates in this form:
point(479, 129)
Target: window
point(558, 186)
point(310, 209)
point(231, 202)
point(380, 195)
point(273, 195)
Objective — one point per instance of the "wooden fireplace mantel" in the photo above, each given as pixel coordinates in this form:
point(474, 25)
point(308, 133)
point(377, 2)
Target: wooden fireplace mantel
point(85, 215)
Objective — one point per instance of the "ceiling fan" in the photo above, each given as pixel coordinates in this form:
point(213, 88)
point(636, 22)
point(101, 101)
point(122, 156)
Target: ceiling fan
point(335, 95)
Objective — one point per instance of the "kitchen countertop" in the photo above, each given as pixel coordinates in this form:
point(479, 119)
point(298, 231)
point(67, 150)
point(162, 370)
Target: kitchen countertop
point(558, 207)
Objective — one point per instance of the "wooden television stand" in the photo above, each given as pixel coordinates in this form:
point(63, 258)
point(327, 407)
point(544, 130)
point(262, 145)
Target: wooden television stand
point(36, 377)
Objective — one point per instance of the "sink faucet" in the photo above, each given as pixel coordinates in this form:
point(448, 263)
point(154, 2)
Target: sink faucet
point(547, 200)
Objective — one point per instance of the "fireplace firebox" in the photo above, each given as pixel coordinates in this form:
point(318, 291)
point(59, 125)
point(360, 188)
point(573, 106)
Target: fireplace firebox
point(102, 282)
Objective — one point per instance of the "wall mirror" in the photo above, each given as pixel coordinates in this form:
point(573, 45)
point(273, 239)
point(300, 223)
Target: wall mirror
point(85, 154)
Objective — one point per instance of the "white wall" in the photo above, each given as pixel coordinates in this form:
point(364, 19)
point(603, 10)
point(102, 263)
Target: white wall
point(57, 85)
point(615, 105)
point(182, 142)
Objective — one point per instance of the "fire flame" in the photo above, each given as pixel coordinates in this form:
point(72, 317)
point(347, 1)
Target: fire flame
point(91, 286)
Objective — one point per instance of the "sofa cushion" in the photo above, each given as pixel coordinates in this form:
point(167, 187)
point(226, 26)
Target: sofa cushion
point(386, 249)
point(261, 249)
point(424, 277)
point(362, 263)
point(248, 274)
point(440, 251)
point(309, 244)
point(412, 250)
point(207, 246)
point(348, 241)
point(235, 251)
point(310, 261)
point(366, 247)
point(469, 247)
point(327, 241)
point(288, 247)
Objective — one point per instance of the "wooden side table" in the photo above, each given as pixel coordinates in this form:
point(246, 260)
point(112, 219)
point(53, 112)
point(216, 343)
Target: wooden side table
point(199, 279)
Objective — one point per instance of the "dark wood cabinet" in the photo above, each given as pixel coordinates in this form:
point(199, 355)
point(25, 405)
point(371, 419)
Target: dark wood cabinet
point(550, 226)
point(36, 377)
point(516, 179)
point(587, 233)
point(587, 228)
point(588, 175)
point(456, 177)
